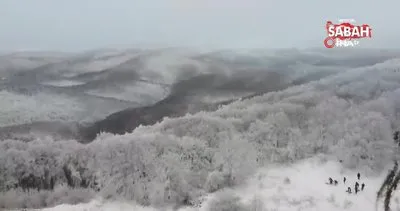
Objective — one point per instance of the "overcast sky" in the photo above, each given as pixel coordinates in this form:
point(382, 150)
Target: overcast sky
point(72, 25)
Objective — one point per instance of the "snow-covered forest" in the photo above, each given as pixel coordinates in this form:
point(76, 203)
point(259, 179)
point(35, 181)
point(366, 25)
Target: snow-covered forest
point(349, 116)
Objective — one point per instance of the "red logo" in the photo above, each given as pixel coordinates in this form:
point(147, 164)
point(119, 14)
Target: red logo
point(345, 34)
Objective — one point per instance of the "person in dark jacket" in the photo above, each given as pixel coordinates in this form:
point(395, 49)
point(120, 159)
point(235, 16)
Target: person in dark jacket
point(362, 186)
point(330, 180)
point(358, 175)
point(335, 182)
point(356, 187)
point(344, 180)
point(348, 190)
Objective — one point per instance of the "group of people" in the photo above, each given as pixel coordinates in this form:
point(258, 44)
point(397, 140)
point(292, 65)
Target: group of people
point(349, 190)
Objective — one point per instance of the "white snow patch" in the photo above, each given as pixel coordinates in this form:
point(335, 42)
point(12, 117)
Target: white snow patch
point(91, 62)
point(307, 188)
point(28, 60)
point(96, 65)
point(101, 64)
point(220, 97)
point(139, 92)
point(20, 109)
point(63, 83)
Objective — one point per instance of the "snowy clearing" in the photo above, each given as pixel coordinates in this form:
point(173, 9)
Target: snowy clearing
point(269, 190)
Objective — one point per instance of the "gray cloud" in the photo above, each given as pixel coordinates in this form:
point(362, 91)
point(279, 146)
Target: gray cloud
point(77, 25)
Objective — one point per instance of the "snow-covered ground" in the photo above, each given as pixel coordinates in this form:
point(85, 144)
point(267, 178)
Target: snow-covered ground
point(349, 115)
point(63, 83)
point(301, 186)
point(220, 97)
point(144, 93)
point(20, 109)
point(97, 64)
point(20, 61)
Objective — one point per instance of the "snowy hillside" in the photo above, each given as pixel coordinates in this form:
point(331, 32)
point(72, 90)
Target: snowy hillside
point(20, 61)
point(115, 79)
point(298, 187)
point(330, 115)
